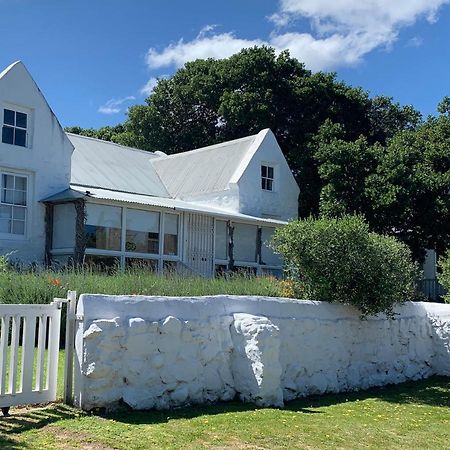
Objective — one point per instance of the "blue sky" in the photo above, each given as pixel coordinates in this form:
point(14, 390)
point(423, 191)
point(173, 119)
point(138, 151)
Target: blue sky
point(93, 59)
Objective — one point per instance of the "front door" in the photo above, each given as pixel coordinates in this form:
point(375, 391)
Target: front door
point(199, 244)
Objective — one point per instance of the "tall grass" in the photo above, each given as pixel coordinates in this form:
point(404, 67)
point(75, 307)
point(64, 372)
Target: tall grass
point(42, 286)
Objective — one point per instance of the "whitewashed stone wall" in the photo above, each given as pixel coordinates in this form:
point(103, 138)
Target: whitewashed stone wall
point(153, 352)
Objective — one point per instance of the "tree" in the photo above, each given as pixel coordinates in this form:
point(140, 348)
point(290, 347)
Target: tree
point(210, 101)
point(402, 187)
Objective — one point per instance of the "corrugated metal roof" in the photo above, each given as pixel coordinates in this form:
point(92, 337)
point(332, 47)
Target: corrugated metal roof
point(204, 170)
point(170, 203)
point(107, 165)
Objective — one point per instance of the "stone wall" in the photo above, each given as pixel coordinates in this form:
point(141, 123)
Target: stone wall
point(153, 352)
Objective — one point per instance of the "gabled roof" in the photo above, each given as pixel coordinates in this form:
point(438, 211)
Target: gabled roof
point(106, 165)
point(204, 170)
point(16, 68)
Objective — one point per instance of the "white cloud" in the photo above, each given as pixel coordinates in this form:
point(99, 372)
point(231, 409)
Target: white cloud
point(342, 32)
point(215, 46)
point(114, 105)
point(147, 89)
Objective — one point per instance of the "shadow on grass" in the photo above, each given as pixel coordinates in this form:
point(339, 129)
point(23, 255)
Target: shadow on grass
point(434, 391)
point(22, 420)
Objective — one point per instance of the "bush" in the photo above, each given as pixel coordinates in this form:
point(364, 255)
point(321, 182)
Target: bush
point(444, 276)
point(341, 261)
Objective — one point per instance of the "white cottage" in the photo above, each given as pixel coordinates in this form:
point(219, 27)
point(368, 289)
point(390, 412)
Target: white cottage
point(68, 197)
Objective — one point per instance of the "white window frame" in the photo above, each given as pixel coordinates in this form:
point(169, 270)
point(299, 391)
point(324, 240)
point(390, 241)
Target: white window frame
point(27, 207)
point(17, 109)
point(266, 179)
point(122, 254)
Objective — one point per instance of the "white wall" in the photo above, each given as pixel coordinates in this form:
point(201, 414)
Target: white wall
point(46, 160)
point(156, 352)
point(282, 202)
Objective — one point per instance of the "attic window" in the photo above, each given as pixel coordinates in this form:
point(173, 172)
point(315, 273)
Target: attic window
point(267, 177)
point(14, 130)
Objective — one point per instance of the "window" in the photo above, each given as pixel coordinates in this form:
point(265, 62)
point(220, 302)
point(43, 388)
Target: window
point(14, 130)
point(13, 204)
point(170, 234)
point(245, 240)
point(267, 178)
point(103, 227)
point(142, 231)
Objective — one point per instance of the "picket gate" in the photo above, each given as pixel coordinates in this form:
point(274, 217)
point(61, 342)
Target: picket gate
point(29, 352)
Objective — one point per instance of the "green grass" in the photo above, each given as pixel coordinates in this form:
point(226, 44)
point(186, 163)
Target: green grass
point(43, 286)
point(413, 415)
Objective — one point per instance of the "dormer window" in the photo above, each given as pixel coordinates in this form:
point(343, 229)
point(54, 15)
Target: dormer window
point(14, 129)
point(267, 177)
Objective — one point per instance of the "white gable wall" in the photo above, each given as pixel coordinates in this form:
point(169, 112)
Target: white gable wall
point(282, 202)
point(46, 159)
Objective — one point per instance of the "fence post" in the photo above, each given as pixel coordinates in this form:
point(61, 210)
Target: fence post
point(70, 343)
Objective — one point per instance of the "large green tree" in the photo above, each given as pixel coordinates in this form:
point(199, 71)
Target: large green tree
point(402, 187)
point(210, 101)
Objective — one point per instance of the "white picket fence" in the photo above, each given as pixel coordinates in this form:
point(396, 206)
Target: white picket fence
point(29, 350)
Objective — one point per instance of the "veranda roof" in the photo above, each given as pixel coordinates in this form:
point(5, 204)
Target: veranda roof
point(169, 203)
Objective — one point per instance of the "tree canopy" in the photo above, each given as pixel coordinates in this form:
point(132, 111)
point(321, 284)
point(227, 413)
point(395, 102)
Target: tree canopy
point(349, 152)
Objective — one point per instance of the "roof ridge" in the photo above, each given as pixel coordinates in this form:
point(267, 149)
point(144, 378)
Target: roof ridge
point(204, 149)
point(125, 147)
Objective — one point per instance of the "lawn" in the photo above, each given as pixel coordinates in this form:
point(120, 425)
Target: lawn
point(413, 415)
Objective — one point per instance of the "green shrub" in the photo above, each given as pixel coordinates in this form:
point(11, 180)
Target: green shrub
point(444, 276)
point(340, 260)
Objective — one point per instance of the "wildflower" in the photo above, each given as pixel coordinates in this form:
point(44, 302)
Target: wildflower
point(55, 282)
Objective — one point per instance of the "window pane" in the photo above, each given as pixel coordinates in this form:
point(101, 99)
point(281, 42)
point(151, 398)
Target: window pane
point(171, 224)
point(18, 213)
point(104, 216)
point(7, 181)
point(142, 242)
point(21, 120)
point(8, 117)
point(171, 234)
point(263, 183)
point(18, 227)
point(7, 196)
point(270, 172)
point(263, 171)
point(5, 226)
point(138, 264)
point(142, 231)
point(170, 244)
point(20, 137)
point(5, 212)
point(138, 220)
point(21, 183)
point(7, 135)
point(105, 238)
point(269, 185)
point(20, 198)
